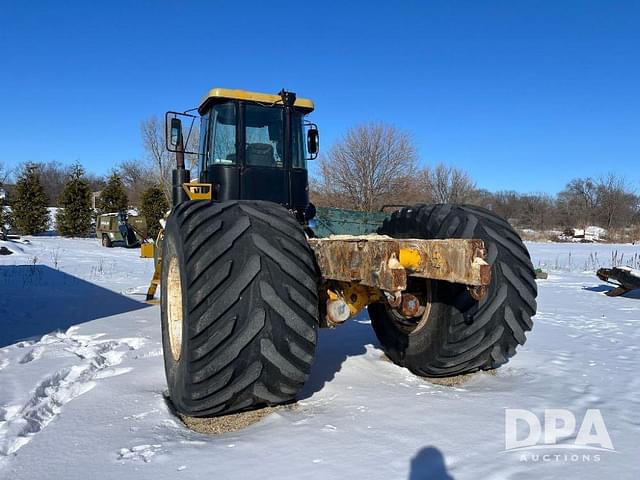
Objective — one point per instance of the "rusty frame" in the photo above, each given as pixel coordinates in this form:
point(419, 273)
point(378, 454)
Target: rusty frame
point(385, 263)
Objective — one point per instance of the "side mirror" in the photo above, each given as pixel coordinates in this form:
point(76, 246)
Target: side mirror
point(174, 140)
point(313, 142)
point(175, 134)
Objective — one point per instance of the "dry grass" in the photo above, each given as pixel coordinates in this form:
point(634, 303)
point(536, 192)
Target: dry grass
point(538, 236)
point(448, 381)
point(226, 423)
point(458, 379)
point(620, 235)
point(624, 235)
point(230, 423)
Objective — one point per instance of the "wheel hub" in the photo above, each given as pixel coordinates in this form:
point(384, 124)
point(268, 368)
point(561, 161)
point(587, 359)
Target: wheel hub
point(413, 313)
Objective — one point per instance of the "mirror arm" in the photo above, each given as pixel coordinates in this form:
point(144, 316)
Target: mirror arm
point(180, 153)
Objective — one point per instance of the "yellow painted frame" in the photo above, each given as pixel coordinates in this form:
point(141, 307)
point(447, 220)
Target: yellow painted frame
point(258, 97)
point(198, 191)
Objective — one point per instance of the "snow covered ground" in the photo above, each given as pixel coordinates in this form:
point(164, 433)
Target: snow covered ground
point(82, 397)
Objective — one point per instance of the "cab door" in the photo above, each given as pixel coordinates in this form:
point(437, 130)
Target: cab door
point(264, 173)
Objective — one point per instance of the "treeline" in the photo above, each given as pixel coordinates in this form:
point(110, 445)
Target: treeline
point(141, 184)
point(136, 175)
point(372, 165)
point(376, 164)
point(78, 196)
point(135, 179)
point(607, 201)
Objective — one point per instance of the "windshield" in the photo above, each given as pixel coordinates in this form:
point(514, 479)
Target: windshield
point(265, 137)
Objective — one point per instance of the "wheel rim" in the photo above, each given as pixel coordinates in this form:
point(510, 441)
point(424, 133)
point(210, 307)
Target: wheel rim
point(174, 308)
point(414, 324)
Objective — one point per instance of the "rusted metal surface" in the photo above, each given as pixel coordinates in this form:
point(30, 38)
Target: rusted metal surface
point(454, 260)
point(360, 259)
point(477, 292)
point(372, 260)
point(410, 305)
point(393, 299)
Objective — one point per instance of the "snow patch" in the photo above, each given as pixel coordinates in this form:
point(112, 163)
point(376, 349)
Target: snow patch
point(583, 353)
point(139, 452)
point(21, 423)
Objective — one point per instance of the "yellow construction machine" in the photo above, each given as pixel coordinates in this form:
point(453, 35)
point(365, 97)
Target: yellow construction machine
point(248, 275)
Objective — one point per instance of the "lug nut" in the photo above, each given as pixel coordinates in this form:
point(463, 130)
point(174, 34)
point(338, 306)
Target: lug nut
point(410, 305)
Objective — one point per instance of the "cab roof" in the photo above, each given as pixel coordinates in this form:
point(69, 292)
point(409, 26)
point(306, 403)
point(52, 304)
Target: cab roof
point(265, 98)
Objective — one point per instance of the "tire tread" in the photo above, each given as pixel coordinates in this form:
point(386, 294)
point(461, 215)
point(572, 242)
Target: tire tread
point(473, 335)
point(252, 306)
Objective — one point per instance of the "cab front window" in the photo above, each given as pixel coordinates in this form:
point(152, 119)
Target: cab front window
point(264, 136)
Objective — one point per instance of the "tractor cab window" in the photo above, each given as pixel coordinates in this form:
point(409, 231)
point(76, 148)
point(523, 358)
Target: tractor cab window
point(299, 146)
point(264, 136)
point(223, 134)
point(204, 146)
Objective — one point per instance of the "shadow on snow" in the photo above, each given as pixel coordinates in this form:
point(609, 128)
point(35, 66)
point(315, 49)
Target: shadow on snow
point(334, 347)
point(603, 288)
point(36, 300)
point(428, 463)
point(349, 340)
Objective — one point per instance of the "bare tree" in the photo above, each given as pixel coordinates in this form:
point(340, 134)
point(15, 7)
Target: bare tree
point(368, 167)
point(616, 200)
point(153, 140)
point(446, 184)
point(537, 211)
point(54, 175)
point(163, 162)
point(96, 182)
point(4, 173)
point(137, 177)
point(578, 202)
point(607, 201)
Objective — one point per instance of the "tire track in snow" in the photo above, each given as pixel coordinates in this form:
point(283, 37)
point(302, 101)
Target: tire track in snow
point(33, 354)
point(20, 423)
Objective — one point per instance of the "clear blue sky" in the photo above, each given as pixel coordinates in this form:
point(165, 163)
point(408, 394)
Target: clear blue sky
point(524, 95)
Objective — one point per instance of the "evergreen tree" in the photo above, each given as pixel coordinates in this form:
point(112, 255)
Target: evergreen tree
point(153, 206)
point(6, 217)
point(114, 197)
point(7, 223)
point(30, 205)
point(74, 218)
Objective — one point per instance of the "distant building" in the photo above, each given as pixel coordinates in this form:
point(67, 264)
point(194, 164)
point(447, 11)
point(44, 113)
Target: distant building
point(95, 196)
